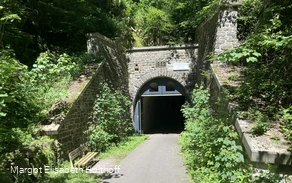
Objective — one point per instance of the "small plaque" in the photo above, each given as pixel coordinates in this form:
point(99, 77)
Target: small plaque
point(181, 66)
point(161, 64)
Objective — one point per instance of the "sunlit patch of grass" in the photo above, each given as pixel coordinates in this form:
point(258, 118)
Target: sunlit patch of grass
point(119, 151)
point(78, 176)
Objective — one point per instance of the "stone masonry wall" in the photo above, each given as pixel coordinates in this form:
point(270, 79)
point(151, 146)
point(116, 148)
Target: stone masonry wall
point(129, 72)
point(216, 34)
point(116, 65)
point(151, 62)
point(226, 33)
point(71, 132)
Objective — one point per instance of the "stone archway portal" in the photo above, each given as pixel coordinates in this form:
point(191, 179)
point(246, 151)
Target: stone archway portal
point(158, 102)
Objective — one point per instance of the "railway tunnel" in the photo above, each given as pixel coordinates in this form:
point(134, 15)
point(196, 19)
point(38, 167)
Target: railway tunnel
point(158, 107)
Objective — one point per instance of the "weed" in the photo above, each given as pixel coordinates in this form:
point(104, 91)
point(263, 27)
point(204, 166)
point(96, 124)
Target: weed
point(275, 138)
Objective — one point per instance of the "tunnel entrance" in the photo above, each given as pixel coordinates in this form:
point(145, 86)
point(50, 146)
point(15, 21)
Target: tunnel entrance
point(158, 105)
point(161, 114)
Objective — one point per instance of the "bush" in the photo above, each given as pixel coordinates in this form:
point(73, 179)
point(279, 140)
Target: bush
point(99, 140)
point(209, 144)
point(286, 124)
point(112, 121)
point(25, 97)
point(27, 150)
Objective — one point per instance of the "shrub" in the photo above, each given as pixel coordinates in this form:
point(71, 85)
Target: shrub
point(210, 145)
point(286, 121)
point(25, 96)
point(112, 119)
point(99, 140)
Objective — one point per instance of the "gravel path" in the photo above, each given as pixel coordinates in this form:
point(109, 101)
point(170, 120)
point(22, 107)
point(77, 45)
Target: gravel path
point(157, 160)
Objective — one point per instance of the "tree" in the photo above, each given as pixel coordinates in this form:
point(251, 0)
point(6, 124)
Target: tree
point(153, 25)
point(58, 25)
point(6, 17)
point(171, 22)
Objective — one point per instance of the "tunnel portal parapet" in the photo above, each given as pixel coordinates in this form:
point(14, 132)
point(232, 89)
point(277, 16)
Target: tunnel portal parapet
point(175, 62)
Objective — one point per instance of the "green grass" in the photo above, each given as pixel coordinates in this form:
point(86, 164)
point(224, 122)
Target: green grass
point(75, 177)
point(119, 151)
point(75, 95)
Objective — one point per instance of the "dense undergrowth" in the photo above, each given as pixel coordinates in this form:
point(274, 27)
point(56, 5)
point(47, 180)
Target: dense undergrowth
point(211, 147)
point(265, 92)
point(161, 22)
point(42, 47)
point(36, 90)
point(112, 122)
point(26, 97)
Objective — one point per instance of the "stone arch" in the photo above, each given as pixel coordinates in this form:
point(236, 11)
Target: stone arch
point(152, 75)
point(140, 93)
point(178, 79)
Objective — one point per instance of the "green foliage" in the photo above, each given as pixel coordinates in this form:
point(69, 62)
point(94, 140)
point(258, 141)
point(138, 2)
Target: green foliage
point(16, 100)
point(25, 97)
point(286, 123)
point(71, 178)
point(188, 15)
point(275, 138)
point(268, 176)
point(78, 177)
point(153, 25)
point(7, 17)
point(99, 140)
point(31, 78)
point(32, 27)
point(236, 54)
point(160, 22)
point(261, 123)
point(248, 17)
point(266, 55)
point(209, 145)
point(112, 119)
point(31, 151)
point(119, 151)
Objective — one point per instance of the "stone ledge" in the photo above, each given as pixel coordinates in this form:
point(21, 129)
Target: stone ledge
point(100, 37)
point(264, 154)
point(269, 154)
point(51, 129)
point(158, 48)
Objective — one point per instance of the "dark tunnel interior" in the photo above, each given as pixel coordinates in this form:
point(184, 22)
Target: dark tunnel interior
point(162, 114)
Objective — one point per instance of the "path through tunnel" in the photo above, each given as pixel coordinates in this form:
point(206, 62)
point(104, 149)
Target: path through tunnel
point(157, 108)
point(162, 114)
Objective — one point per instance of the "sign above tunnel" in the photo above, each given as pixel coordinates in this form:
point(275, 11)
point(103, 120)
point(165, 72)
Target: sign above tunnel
point(162, 87)
point(181, 66)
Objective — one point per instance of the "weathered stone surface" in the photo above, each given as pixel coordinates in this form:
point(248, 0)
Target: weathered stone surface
point(147, 59)
point(261, 150)
point(71, 131)
point(129, 72)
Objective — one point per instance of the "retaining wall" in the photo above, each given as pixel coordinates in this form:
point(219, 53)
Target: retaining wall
point(72, 131)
